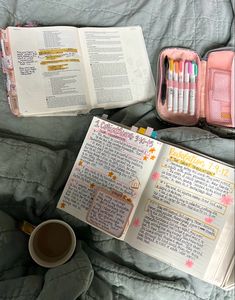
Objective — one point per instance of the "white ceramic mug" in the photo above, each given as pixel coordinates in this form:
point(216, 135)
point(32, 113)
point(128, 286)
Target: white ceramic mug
point(51, 243)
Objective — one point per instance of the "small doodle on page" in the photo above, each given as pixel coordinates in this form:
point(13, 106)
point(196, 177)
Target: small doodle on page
point(62, 205)
point(208, 220)
point(136, 222)
point(226, 200)
point(189, 263)
point(155, 176)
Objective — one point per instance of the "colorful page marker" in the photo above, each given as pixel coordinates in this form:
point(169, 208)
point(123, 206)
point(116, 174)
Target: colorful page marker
point(154, 134)
point(141, 130)
point(149, 131)
point(134, 128)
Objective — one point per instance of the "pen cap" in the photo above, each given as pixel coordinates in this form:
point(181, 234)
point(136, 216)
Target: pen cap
point(195, 68)
point(190, 69)
point(171, 65)
point(181, 66)
point(166, 63)
point(186, 67)
point(176, 67)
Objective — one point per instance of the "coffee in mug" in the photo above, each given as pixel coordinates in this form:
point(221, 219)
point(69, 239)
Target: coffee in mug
point(51, 243)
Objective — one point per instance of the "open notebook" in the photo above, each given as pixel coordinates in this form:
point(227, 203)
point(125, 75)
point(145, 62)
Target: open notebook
point(62, 70)
point(168, 202)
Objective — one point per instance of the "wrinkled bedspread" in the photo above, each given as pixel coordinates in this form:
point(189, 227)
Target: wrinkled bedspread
point(37, 154)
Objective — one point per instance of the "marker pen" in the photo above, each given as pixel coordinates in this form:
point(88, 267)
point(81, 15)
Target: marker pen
point(170, 85)
point(176, 78)
point(181, 88)
point(165, 68)
point(192, 91)
point(186, 87)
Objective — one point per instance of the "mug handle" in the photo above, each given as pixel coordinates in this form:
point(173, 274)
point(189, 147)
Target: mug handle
point(26, 227)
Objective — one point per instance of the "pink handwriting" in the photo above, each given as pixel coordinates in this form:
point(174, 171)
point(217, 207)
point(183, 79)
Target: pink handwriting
point(117, 131)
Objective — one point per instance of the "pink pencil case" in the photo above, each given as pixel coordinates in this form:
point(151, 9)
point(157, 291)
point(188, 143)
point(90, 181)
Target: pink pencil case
point(207, 97)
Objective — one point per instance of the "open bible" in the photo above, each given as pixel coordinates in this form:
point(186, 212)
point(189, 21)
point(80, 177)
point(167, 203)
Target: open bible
point(62, 70)
point(168, 202)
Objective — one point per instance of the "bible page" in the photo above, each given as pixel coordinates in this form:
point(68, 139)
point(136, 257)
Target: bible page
point(117, 66)
point(48, 69)
point(185, 212)
point(108, 177)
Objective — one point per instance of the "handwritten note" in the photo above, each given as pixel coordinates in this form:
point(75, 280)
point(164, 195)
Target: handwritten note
point(109, 213)
point(112, 159)
point(166, 227)
point(198, 181)
point(169, 193)
point(183, 209)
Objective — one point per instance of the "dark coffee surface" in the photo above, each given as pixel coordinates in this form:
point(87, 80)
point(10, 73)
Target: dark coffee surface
point(52, 242)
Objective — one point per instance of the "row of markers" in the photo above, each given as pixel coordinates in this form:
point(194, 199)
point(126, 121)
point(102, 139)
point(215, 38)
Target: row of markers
point(178, 85)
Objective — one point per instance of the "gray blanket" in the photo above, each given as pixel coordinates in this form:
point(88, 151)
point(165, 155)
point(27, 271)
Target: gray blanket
point(37, 154)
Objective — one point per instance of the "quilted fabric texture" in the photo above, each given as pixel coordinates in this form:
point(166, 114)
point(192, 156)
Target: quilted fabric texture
point(37, 154)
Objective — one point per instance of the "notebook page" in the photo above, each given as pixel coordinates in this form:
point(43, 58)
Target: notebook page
point(48, 69)
point(183, 210)
point(230, 281)
point(220, 262)
point(117, 66)
point(109, 176)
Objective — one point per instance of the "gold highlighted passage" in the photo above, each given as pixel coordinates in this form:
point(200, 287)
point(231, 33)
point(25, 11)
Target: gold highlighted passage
point(191, 166)
point(53, 57)
point(57, 51)
point(57, 67)
point(60, 61)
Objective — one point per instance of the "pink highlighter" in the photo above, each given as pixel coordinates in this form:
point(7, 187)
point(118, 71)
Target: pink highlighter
point(175, 85)
point(181, 85)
